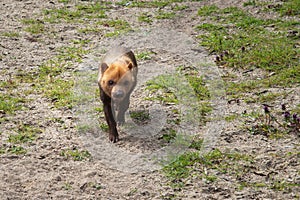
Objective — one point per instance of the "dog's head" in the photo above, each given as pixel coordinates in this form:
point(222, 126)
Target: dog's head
point(118, 79)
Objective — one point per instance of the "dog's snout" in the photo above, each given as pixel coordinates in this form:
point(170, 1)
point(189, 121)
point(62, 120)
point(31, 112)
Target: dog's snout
point(118, 94)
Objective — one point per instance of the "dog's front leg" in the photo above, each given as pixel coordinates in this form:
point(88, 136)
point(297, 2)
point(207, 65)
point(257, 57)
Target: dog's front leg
point(109, 116)
point(113, 133)
point(123, 106)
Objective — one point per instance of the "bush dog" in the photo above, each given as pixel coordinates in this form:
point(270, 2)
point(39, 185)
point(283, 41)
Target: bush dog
point(117, 78)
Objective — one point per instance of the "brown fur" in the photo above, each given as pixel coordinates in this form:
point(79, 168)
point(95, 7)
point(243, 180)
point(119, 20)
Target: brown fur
point(116, 80)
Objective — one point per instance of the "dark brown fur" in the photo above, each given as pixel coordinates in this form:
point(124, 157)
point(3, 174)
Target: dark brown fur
point(116, 80)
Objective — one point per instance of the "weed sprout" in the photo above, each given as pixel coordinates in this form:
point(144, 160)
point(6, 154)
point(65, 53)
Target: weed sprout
point(275, 126)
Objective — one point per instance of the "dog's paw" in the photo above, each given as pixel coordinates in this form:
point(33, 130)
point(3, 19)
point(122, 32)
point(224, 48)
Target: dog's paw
point(113, 138)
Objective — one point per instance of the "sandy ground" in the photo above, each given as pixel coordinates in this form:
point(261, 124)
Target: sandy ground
point(121, 171)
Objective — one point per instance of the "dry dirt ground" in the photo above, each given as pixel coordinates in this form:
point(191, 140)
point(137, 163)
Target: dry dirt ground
point(117, 171)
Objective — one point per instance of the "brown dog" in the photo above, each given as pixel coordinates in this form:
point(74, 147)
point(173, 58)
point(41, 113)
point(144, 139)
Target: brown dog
point(116, 79)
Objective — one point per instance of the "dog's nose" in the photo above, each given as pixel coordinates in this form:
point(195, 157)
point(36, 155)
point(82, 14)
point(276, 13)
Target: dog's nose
point(118, 94)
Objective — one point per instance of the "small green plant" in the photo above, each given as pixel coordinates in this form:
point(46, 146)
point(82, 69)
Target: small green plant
point(207, 10)
point(90, 30)
point(71, 53)
point(118, 24)
point(250, 3)
point(198, 86)
point(26, 133)
point(179, 7)
point(9, 104)
point(281, 185)
point(192, 164)
point(243, 185)
point(210, 178)
point(269, 97)
point(132, 191)
point(120, 27)
point(17, 150)
point(75, 154)
point(11, 34)
point(171, 135)
point(210, 27)
point(97, 186)
point(232, 117)
point(96, 9)
point(57, 120)
point(57, 15)
point(165, 15)
point(165, 84)
point(144, 4)
point(140, 115)
point(67, 186)
point(274, 126)
point(99, 109)
point(82, 11)
point(196, 144)
point(2, 150)
point(144, 55)
point(145, 17)
point(60, 93)
point(112, 34)
point(80, 42)
point(64, 1)
point(104, 127)
point(29, 21)
point(187, 90)
point(288, 8)
point(180, 168)
point(34, 26)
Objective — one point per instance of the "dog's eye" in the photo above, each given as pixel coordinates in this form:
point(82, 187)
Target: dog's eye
point(111, 82)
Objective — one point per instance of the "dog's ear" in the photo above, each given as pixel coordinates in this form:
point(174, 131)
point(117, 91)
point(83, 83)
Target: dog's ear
point(130, 66)
point(104, 66)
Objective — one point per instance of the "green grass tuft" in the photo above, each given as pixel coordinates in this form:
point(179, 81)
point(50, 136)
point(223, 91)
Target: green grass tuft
point(288, 8)
point(120, 27)
point(79, 14)
point(165, 15)
point(199, 87)
point(11, 34)
point(34, 26)
point(246, 44)
point(140, 115)
point(207, 10)
point(179, 7)
point(145, 17)
point(9, 104)
point(171, 135)
point(18, 150)
point(144, 55)
point(48, 80)
point(104, 127)
point(192, 164)
point(75, 154)
point(144, 4)
point(238, 40)
point(165, 84)
point(26, 134)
